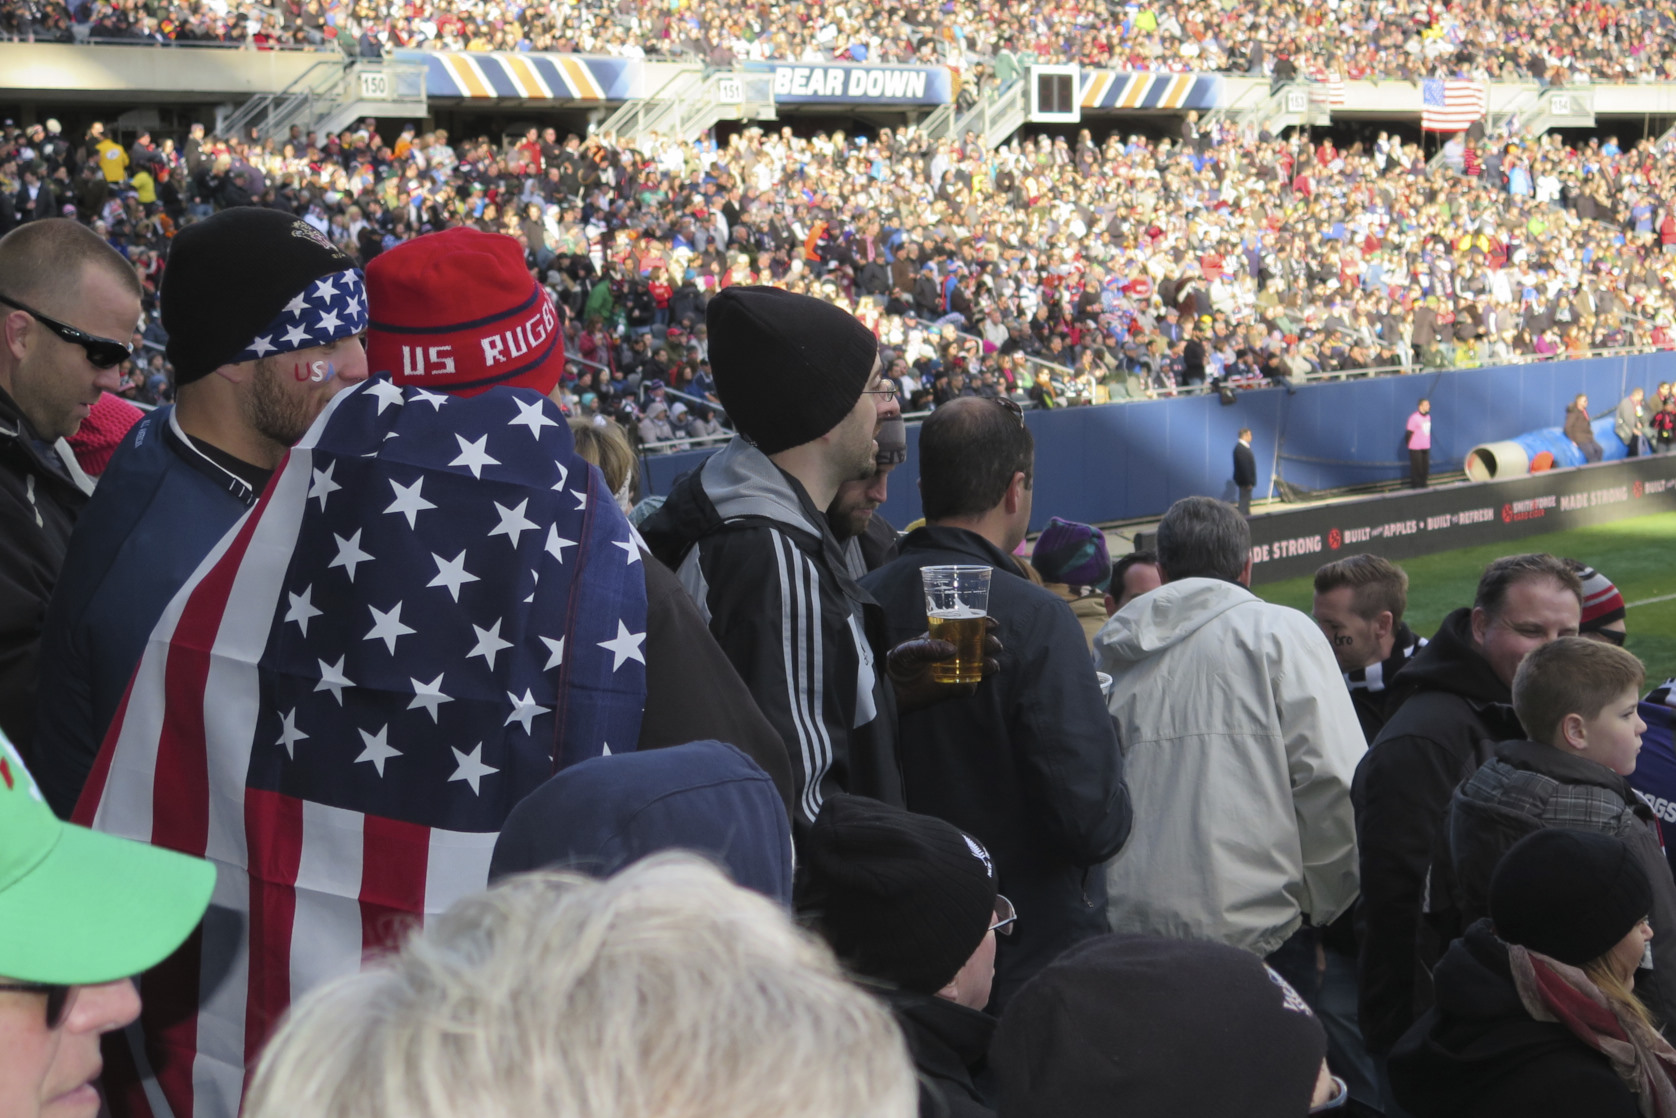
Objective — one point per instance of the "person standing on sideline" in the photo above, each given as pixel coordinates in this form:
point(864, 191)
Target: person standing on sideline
point(1419, 439)
point(1245, 470)
point(1579, 430)
point(1630, 422)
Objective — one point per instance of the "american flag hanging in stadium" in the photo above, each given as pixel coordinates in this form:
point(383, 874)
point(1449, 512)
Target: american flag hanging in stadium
point(1452, 105)
point(434, 606)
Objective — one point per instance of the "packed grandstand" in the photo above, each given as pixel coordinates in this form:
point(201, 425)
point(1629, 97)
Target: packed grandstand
point(1061, 269)
point(1498, 40)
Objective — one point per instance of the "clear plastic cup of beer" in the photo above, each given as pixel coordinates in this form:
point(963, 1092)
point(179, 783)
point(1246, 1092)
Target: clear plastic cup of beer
point(956, 604)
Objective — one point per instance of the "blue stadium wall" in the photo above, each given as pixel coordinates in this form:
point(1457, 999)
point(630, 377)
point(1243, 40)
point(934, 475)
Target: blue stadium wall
point(1127, 461)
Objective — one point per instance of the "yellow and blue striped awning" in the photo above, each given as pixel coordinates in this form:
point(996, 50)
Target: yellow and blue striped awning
point(1111, 89)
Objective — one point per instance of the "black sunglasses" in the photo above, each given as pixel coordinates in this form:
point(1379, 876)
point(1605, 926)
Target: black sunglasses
point(58, 998)
point(102, 353)
point(1011, 405)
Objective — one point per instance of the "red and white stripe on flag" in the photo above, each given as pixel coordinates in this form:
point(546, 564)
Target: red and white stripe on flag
point(1452, 104)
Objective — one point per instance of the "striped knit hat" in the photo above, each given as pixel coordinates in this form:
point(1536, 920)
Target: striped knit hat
point(1602, 604)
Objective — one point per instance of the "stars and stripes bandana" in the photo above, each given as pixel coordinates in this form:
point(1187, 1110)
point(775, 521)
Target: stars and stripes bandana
point(329, 308)
point(434, 607)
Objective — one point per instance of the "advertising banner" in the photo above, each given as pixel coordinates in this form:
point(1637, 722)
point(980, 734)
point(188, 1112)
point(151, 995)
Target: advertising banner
point(851, 83)
point(1397, 526)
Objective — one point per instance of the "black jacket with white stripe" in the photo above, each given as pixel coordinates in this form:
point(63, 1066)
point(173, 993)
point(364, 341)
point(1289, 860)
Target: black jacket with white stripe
point(769, 578)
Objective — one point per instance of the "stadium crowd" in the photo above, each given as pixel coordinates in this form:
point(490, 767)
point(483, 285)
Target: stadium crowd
point(1551, 41)
point(1057, 271)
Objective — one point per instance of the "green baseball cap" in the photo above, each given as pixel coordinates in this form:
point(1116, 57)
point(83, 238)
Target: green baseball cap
point(77, 907)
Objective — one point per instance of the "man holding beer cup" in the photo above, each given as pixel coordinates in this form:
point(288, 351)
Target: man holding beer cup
point(1029, 763)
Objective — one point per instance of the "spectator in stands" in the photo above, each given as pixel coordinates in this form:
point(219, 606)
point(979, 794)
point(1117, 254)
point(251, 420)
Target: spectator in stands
point(1568, 928)
point(1604, 613)
point(1418, 437)
point(799, 380)
point(599, 815)
point(1245, 470)
point(1449, 704)
point(868, 539)
point(1074, 563)
point(1577, 700)
point(83, 914)
point(1029, 764)
point(1359, 604)
point(1132, 575)
point(256, 357)
point(1118, 1025)
point(1200, 668)
point(909, 904)
point(665, 989)
point(65, 297)
point(1629, 422)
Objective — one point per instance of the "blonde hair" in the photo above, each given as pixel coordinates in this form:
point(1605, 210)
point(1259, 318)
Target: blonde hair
point(608, 448)
point(1620, 998)
point(664, 991)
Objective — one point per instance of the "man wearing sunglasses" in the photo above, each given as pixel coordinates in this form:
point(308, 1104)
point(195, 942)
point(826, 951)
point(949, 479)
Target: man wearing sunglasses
point(80, 914)
point(68, 308)
point(257, 354)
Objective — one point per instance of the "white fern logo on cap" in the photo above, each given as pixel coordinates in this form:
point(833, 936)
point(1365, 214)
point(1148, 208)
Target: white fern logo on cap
point(979, 853)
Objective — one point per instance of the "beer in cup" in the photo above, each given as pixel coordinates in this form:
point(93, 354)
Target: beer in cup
point(956, 603)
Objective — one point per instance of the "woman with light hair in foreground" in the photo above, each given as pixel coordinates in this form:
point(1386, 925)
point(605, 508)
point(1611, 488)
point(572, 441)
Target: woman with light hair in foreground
point(664, 991)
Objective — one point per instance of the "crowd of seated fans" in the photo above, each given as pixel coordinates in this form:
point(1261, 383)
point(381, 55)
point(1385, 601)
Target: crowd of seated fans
point(1059, 271)
point(1554, 41)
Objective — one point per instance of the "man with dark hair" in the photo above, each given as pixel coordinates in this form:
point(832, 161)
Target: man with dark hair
point(868, 540)
point(1132, 575)
point(1239, 744)
point(69, 305)
point(256, 356)
point(1449, 707)
point(1359, 603)
point(1029, 764)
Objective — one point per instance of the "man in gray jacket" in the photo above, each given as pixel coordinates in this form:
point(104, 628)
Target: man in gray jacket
point(1239, 745)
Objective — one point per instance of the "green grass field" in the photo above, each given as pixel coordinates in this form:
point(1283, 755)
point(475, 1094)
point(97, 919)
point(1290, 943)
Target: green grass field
point(1638, 555)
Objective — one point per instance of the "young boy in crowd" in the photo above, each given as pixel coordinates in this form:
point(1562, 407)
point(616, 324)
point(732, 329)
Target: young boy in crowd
point(1577, 700)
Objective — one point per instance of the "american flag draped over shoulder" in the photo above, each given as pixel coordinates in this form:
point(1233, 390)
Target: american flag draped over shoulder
point(1452, 104)
point(435, 605)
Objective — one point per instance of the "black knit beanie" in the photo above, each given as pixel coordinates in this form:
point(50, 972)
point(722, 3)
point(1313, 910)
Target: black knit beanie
point(1570, 895)
point(901, 897)
point(788, 367)
point(228, 277)
point(1138, 1025)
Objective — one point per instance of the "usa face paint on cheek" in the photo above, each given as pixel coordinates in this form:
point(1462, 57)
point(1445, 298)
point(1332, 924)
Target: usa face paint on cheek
point(317, 372)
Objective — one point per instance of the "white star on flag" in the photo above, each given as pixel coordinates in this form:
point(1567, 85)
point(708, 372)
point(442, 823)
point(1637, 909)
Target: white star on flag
point(378, 750)
point(428, 695)
point(297, 335)
point(531, 415)
point(556, 543)
point(387, 394)
point(628, 546)
point(489, 644)
point(262, 346)
point(564, 476)
point(581, 501)
point(556, 650)
point(298, 305)
point(350, 554)
point(451, 574)
point(302, 608)
point(289, 735)
point(326, 289)
point(430, 398)
point(353, 306)
point(332, 679)
point(625, 646)
point(409, 501)
point(524, 710)
point(472, 769)
point(474, 455)
point(321, 484)
point(388, 627)
point(512, 521)
point(328, 322)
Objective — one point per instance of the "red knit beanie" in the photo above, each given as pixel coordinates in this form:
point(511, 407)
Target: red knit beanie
point(458, 312)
